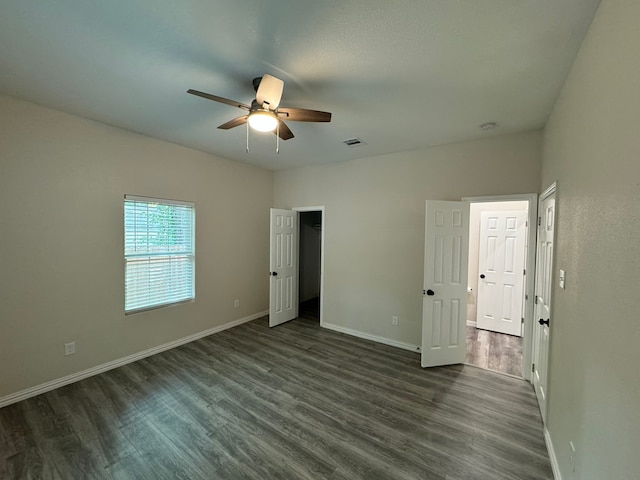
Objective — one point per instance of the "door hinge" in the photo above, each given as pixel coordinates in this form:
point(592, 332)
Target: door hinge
point(536, 299)
point(539, 221)
point(533, 368)
point(522, 320)
point(526, 297)
point(524, 272)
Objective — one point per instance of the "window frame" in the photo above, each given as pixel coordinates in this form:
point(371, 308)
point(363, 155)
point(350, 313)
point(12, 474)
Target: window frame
point(191, 255)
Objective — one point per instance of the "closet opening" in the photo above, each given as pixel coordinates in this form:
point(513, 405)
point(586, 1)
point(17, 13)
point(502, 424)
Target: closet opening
point(310, 264)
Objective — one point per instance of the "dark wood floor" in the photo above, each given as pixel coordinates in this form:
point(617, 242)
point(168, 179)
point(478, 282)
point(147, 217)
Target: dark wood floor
point(494, 351)
point(293, 402)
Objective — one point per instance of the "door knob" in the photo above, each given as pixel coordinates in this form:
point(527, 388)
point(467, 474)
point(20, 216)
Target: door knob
point(275, 274)
point(544, 322)
point(430, 292)
point(482, 275)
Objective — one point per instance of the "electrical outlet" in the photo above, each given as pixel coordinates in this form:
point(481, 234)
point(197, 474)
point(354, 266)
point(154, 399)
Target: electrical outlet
point(394, 320)
point(236, 303)
point(572, 456)
point(69, 348)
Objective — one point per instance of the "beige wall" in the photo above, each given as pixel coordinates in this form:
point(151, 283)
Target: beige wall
point(374, 221)
point(62, 183)
point(475, 213)
point(592, 148)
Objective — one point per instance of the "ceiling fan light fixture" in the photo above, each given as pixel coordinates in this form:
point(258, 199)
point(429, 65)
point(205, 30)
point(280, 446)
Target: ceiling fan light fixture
point(263, 120)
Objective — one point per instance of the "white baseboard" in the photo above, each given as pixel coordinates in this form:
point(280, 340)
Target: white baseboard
point(374, 338)
point(75, 377)
point(472, 323)
point(552, 455)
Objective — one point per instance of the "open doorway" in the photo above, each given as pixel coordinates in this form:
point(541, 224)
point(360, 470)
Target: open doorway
point(498, 310)
point(310, 264)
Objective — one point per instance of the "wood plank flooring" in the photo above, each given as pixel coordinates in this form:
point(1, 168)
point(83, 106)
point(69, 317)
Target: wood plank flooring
point(494, 351)
point(293, 402)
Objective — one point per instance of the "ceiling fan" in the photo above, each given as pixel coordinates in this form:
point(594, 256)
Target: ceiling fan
point(264, 114)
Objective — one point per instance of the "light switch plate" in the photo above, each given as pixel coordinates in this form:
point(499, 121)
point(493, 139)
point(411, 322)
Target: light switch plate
point(562, 278)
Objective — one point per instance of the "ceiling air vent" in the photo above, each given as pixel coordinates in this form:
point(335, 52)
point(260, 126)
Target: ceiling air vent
point(353, 142)
point(487, 127)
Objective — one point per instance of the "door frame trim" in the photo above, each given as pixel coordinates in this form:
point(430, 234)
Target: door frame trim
point(530, 266)
point(319, 208)
point(550, 190)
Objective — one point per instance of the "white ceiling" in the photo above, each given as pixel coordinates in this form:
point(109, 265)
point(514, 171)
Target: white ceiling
point(401, 75)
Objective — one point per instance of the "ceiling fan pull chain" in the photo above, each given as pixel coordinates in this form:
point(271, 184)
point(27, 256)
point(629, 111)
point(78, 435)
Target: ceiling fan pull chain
point(278, 137)
point(247, 137)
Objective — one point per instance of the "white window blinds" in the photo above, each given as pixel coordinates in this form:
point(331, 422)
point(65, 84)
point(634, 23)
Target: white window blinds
point(159, 252)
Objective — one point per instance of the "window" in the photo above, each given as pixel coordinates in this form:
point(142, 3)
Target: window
point(159, 252)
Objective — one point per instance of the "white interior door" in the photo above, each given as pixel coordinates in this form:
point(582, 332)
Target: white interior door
point(501, 260)
point(444, 307)
point(544, 278)
point(283, 288)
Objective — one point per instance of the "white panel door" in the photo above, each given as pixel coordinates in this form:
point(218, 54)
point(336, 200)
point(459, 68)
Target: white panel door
point(501, 258)
point(444, 306)
point(283, 288)
point(544, 278)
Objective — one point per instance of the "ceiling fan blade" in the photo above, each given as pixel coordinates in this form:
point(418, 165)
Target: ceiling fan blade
point(269, 91)
point(283, 131)
point(215, 98)
point(304, 115)
point(236, 122)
